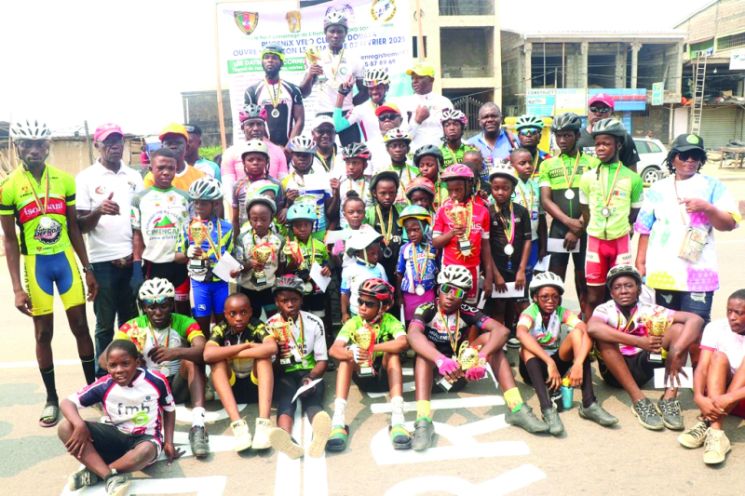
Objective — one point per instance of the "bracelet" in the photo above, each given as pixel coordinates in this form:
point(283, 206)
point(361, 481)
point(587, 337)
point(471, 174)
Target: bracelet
point(88, 268)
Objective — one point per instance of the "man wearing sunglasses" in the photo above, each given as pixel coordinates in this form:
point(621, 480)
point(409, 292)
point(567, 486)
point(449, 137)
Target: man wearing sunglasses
point(389, 117)
point(601, 107)
point(443, 331)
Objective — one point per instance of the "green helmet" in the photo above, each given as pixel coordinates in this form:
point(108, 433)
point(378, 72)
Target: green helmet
point(525, 121)
point(432, 150)
point(414, 212)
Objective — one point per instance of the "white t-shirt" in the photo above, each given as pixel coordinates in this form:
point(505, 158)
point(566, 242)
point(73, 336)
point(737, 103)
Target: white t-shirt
point(161, 215)
point(111, 239)
point(429, 132)
point(719, 337)
point(336, 69)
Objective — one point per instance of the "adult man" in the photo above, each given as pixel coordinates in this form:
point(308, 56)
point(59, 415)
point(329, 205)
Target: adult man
point(329, 69)
point(280, 99)
point(423, 110)
point(208, 167)
point(104, 197)
point(494, 141)
point(453, 124)
point(389, 117)
point(174, 137)
point(41, 200)
point(326, 158)
point(601, 107)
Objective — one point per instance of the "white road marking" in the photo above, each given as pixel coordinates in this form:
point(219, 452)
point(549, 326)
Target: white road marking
point(201, 486)
point(315, 474)
point(287, 478)
point(408, 387)
point(445, 404)
point(218, 444)
point(508, 482)
point(183, 414)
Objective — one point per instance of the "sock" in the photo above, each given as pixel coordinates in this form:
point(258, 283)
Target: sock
point(535, 372)
point(48, 377)
point(340, 408)
point(423, 409)
point(89, 369)
point(397, 410)
point(197, 416)
point(513, 399)
point(588, 395)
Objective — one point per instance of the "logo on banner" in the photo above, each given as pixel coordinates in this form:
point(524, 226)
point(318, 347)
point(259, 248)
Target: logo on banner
point(246, 21)
point(383, 10)
point(293, 21)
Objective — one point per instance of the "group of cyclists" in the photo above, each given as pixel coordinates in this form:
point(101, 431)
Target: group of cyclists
point(221, 279)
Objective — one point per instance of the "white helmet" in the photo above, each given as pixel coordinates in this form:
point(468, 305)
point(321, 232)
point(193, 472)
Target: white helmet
point(205, 188)
point(156, 288)
point(30, 130)
point(302, 144)
point(457, 275)
point(546, 279)
point(376, 76)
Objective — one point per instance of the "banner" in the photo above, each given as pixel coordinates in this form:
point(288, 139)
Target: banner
point(379, 34)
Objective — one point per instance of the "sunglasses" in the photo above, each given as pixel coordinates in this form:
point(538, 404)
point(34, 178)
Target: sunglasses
point(690, 155)
point(453, 291)
point(529, 132)
point(156, 301)
point(367, 303)
point(388, 117)
point(600, 110)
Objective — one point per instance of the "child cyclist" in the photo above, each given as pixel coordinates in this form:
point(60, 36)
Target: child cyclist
point(429, 160)
point(240, 353)
point(302, 359)
point(356, 157)
point(397, 144)
point(140, 420)
point(375, 367)
point(437, 334)
point(353, 210)
point(421, 192)
point(383, 217)
point(554, 341)
point(528, 194)
point(203, 241)
point(364, 248)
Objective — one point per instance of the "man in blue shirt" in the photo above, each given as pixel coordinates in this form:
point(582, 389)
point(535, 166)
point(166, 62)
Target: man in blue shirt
point(494, 142)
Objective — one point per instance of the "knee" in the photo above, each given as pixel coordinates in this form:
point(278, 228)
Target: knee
point(64, 430)
point(44, 335)
point(719, 360)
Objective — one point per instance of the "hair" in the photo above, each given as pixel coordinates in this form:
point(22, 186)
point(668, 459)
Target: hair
point(239, 296)
point(125, 345)
point(163, 152)
point(737, 295)
point(520, 149)
point(351, 196)
point(490, 105)
point(473, 152)
point(673, 153)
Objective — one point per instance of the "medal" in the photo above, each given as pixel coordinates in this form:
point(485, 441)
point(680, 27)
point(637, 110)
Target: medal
point(509, 249)
point(387, 252)
point(569, 194)
point(387, 231)
point(275, 91)
point(605, 212)
point(275, 113)
point(307, 288)
point(419, 290)
point(164, 370)
point(509, 234)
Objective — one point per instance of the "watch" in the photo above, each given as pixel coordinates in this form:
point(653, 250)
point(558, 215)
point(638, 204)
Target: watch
point(88, 268)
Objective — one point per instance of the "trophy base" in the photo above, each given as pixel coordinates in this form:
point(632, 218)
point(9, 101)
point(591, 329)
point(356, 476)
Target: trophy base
point(260, 281)
point(445, 384)
point(655, 357)
point(366, 372)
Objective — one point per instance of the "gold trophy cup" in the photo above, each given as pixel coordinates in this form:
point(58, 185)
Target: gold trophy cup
point(656, 325)
point(198, 232)
point(261, 253)
point(459, 217)
point(364, 337)
point(467, 357)
point(281, 332)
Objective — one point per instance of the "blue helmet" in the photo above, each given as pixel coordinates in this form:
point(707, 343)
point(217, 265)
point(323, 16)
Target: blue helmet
point(302, 211)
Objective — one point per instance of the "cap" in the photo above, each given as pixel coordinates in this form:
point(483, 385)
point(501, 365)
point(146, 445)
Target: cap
point(321, 120)
point(422, 69)
point(177, 129)
point(687, 142)
point(387, 108)
point(193, 129)
point(105, 130)
point(601, 98)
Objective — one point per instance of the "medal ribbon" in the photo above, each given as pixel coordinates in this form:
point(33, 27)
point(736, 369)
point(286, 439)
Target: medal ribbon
point(155, 337)
point(509, 234)
point(570, 180)
point(420, 269)
point(335, 71)
point(629, 322)
point(453, 336)
point(213, 248)
point(274, 93)
point(361, 182)
point(527, 204)
point(312, 252)
point(297, 343)
point(42, 209)
point(609, 194)
point(387, 231)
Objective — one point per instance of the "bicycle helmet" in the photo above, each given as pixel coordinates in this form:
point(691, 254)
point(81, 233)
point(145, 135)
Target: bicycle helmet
point(30, 130)
point(378, 289)
point(457, 171)
point(414, 212)
point(274, 49)
point(420, 183)
point(205, 188)
point(255, 146)
point(335, 18)
point(302, 211)
point(384, 174)
point(156, 288)
point(610, 126)
point(302, 144)
point(567, 121)
point(622, 270)
point(425, 150)
point(526, 121)
point(374, 77)
point(449, 114)
point(263, 200)
point(503, 169)
point(261, 187)
point(288, 282)
point(360, 240)
point(355, 150)
point(251, 111)
point(396, 134)
point(546, 279)
point(457, 275)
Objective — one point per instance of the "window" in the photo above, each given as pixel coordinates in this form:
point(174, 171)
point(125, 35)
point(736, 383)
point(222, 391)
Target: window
point(641, 146)
point(731, 41)
point(466, 7)
point(653, 147)
point(466, 52)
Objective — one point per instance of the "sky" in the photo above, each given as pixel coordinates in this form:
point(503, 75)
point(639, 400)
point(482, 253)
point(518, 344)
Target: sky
point(66, 62)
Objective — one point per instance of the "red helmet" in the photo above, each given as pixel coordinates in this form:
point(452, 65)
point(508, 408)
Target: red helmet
point(420, 183)
point(378, 289)
point(457, 171)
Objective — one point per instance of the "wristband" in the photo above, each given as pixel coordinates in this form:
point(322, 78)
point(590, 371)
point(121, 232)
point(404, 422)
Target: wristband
point(88, 268)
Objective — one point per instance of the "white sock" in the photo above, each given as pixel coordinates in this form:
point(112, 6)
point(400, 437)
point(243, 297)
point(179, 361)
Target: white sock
point(197, 416)
point(340, 408)
point(397, 410)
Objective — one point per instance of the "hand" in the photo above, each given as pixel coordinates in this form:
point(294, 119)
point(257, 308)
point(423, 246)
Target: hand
point(172, 453)
point(109, 207)
point(499, 283)
point(520, 279)
point(326, 271)
point(92, 285)
point(315, 70)
point(235, 273)
point(253, 263)
point(554, 378)
point(160, 354)
point(344, 317)
point(459, 231)
point(194, 251)
point(447, 367)
point(723, 402)
point(307, 380)
point(475, 373)
point(542, 252)
point(421, 114)
point(291, 195)
point(575, 225)
point(650, 343)
point(708, 410)
point(570, 241)
point(674, 368)
point(334, 184)
point(79, 439)
point(575, 375)
point(696, 205)
point(488, 285)
point(362, 356)
point(23, 302)
point(641, 267)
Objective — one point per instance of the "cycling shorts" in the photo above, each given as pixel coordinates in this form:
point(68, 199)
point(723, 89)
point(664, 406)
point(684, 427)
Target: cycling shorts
point(602, 255)
point(209, 297)
point(43, 272)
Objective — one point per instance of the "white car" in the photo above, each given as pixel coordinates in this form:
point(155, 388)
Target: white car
point(652, 154)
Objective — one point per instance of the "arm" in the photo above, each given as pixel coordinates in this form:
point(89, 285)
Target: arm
point(520, 278)
point(88, 219)
point(193, 353)
point(700, 378)
point(317, 371)
point(306, 85)
point(487, 262)
point(76, 239)
point(393, 346)
point(80, 436)
point(542, 236)
point(721, 220)
point(442, 240)
point(13, 259)
point(552, 208)
point(641, 254)
point(529, 343)
point(298, 116)
point(138, 245)
point(633, 213)
point(169, 425)
point(420, 344)
point(600, 331)
point(498, 335)
point(362, 93)
point(214, 353)
point(585, 210)
point(340, 352)
point(344, 307)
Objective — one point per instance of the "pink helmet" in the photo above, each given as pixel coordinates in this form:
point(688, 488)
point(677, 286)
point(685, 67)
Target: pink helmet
point(457, 171)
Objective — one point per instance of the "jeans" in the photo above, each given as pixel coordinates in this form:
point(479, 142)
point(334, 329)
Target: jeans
point(114, 301)
point(683, 301)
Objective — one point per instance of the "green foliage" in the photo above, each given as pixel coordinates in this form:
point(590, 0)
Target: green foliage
point(210, 152)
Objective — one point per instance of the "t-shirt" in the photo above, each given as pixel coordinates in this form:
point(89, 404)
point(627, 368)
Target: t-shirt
point(718, 336)
point(418, 266)
point(134, 409)
point(363, 115)
point(435, 325)
point(596, 189)
point(388, 329)
point(499, 152)
point(278, 100)
point(451, 157)
point(111, 239)
point(181, 332)
point(666, 221)
point(610, 314)
point(548, 336)
point(23, 198)
point(242, 192)
point(429, 132)
point(244, 248)
point(225, 335)
point(183, 179)
point(628, 155)
point(528, 194)
point(313, 188)
point(208, 167)
point(220, 240)
point(333, 165)
point(305, 335)
point(559, 174)
point(232, 170)
point(337, 68)
point(361, 186)
point(501, 222)
point(161, 216)
point(451, 254)
point(354, 275)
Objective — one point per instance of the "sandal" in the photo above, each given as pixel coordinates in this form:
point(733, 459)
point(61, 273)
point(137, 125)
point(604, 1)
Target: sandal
point(49, 415)
point(338, 438)
point(400, 437)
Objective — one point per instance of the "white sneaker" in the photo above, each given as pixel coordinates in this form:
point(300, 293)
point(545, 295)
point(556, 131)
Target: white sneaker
point(716, 447)
point(242, 435)
point(261, 434)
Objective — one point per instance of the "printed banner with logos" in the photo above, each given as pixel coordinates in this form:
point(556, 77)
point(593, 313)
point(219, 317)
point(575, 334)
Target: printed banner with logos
point(379, 34)
point(554, 101)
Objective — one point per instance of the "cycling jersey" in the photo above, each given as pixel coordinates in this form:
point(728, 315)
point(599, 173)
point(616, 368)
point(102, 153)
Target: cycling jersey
point(417, 266)
point(354, 275)
point(557, 172)
point(278, 100)
point(301, 343)
point(244, 248)
point(220, 240)
point(479, 230)
point(242, 192)
point(387, 329)
point(161, 216)
point(451, 156)
point(550, 335)
point(224, 334)
point(528, 194)
point(435, 325)
point(313, 188)
point(609, 313)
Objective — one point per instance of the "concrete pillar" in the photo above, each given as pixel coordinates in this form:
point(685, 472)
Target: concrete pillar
point(635, 46)
point(584, 49)
point(528, 65)
point(619, 73)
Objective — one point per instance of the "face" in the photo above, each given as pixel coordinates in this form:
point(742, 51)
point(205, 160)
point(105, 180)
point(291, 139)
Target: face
point(368, 307)
point(324, 136)
point(458, 189)
point(429, 167)
point(377, 93)
point(176, 143)
point(253, 129)
point(687, 163)
point(388, 121)
point(159, 313)
point(566, 140)
point(260, 217)
point(448, 300)
point(453, 130)
point(625, 291)
point(33, 153)
point(111, 149)
point(238, 312)
point(302, 162)
point(354, 212)
point(490, 120)
point(598, 111)
point(335, 36)
point(192, 146)
point(302, 229)
point(414, 231)
point(288, 303)
point(122, 366)
point(548, 299)
point(204, 208)
point(164, 170)
point(385, 192)
point(355, 167)
point(422, 199)
point(373, 253)
point(736, 315)
point(523, 163)
point(398, 150)
point(529, 137)
point(501, 189)
point(271, 63)
point(606, 147)
point(254, 165)
point(421, 84)
point(474, 161)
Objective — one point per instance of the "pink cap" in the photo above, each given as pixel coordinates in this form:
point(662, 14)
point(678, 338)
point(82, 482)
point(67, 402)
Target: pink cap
point(601, 98)
point(105, 130)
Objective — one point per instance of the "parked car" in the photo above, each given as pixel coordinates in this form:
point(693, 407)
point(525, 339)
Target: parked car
point(651, 155)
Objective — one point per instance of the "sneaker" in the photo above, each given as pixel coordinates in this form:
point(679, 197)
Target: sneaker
point(695, 436)
point(283, 442)
point(261, 434)
point(338, 439)
point(525, 419)
point(551, 417)
point(199, 441)
point(117, 484)
point(424, 431)
point(716, 447)
point(242, 435)
point(671, 414)
point(647, 415)
point(597, 414)
point(400, 437)
point(82, 478)
point(321, 427)
point(513, 343)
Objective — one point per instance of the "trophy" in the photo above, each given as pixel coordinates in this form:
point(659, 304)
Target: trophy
point(261, 253)
point(468, 358)
point(364, 337)
point(458, 215)
point(198, 233)
point(656, 325)
point(313, 57)
point(292, 250)
point(282, 332)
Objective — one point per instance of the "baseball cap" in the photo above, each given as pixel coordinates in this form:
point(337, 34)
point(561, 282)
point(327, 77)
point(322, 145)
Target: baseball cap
point(193, 129)
point(321, 120)
point(177, 129)
point(422, 69)
point(387, 108)
point(105, 130)
point(687, 142)
point(601, 98)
